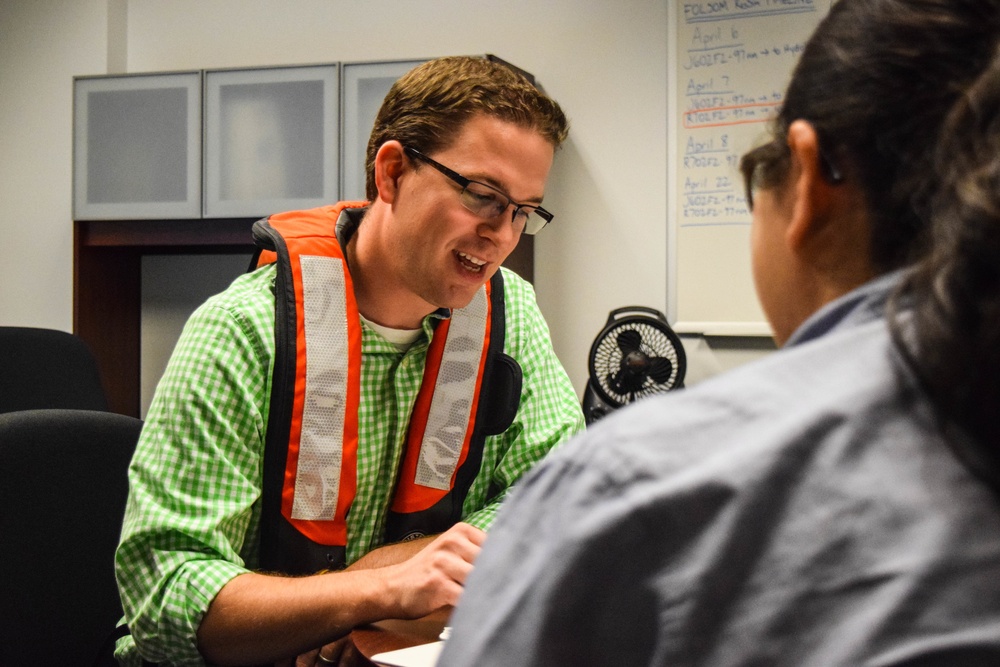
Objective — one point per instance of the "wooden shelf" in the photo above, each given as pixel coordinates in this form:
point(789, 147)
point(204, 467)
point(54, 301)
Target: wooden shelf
point(166, 235)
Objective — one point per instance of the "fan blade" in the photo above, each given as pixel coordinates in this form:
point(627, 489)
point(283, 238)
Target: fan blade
point(660, 369)
point(629, 340)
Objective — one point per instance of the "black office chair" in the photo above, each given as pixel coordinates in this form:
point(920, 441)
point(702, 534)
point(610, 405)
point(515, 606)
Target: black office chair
point(62, 499)
point(47, 368)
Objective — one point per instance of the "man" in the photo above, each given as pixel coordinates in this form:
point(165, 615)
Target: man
point(348, 401)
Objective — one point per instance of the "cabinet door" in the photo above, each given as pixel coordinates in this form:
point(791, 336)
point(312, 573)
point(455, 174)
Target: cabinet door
point(271, 138)
point(365, 85)
point(137, 146)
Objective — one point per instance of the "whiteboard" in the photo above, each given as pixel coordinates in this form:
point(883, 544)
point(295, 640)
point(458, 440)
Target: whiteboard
point(731, 62)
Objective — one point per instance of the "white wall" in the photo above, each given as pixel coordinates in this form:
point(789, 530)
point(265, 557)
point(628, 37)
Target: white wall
point(43, 43)
point(605, 62)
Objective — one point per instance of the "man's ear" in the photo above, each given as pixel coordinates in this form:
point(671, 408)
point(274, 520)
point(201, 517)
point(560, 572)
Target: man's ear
point(390, 163)
point(812, 190)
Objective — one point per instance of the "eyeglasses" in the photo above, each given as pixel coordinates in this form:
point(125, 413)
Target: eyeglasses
point(488, 202)
point(765, 165)
point(758, 167)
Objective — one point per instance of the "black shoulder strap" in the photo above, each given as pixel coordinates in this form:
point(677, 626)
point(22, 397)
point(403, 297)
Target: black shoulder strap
point(500, 395)
point(275, 532)
point(499, 399)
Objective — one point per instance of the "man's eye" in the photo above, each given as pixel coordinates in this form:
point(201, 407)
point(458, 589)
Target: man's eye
point(484, 198)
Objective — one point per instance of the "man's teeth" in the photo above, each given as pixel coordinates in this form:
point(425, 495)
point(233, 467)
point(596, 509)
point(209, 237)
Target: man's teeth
point(475, 261)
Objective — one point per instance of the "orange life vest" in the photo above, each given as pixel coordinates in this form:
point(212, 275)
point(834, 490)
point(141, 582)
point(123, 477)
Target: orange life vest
point(310, 459)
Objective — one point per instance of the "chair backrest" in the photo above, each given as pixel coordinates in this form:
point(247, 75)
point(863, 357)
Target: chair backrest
point(62, 498)
point(47, 368)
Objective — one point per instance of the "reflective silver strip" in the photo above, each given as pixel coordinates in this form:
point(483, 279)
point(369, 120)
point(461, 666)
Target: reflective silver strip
point(321, 448)
point(451, 406)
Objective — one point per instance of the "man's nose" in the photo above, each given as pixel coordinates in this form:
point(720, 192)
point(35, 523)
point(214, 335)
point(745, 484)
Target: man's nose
point(500, 228)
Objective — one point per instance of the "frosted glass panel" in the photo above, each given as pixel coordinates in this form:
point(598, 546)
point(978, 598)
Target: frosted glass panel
point(271, 138)
point(365, 86)
point(137, 147)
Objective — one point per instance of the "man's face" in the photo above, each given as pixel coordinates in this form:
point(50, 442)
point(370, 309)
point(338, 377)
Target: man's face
point(441, 251)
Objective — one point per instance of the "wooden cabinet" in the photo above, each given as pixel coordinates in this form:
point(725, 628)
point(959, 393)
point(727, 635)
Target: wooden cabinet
point(107, 294)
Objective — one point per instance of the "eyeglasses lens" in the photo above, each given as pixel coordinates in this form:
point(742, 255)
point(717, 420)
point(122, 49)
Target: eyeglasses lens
point(488, 203)
point(483, 201)
point(533, 221)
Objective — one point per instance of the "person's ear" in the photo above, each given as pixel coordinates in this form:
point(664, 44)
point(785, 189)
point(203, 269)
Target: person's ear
point(812, 189)
point(390, 163)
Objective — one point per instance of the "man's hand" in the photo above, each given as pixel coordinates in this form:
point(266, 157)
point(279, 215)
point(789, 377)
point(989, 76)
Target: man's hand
point(425, 581)
point(434, 576)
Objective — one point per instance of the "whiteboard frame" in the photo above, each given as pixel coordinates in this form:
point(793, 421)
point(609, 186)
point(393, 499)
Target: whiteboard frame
point(672, 164)
point(707, 328)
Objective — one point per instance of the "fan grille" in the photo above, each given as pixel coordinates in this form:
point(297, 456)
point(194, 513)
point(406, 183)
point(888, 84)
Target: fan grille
point(652, 342)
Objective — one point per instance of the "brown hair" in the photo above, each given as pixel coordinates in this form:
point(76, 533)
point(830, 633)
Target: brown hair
point(427, 107)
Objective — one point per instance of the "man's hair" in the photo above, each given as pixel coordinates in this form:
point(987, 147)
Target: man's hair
point(428, 106)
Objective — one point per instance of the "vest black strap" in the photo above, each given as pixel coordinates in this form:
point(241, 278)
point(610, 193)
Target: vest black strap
point(274, 530)
point(499, 399)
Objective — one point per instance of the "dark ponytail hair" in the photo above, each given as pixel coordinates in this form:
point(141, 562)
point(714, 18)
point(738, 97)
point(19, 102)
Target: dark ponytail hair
point(953, 295)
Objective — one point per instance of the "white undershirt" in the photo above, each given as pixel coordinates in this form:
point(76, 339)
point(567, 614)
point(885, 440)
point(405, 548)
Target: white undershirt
point(401, 338)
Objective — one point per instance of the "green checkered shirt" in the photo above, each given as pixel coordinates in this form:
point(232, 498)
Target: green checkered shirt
point(192, 521)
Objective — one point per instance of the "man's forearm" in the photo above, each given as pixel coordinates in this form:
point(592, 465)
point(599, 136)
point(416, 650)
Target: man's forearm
point(260, 618)
point(390, 554)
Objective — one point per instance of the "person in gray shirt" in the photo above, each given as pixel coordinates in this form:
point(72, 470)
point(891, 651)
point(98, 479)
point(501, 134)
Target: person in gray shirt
point(836, 502)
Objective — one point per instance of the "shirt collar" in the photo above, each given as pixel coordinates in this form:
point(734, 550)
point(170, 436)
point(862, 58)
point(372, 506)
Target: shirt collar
point(863, 304)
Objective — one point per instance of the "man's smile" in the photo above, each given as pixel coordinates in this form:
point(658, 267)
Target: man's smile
point(470, 262)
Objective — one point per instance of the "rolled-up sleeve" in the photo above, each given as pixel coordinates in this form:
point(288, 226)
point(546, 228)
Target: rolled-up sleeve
point(193, 509)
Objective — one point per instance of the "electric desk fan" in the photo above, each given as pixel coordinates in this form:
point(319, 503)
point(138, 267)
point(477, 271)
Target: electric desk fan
point(636, 355)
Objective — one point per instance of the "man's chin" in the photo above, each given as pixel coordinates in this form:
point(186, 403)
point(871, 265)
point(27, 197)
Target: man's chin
point(461, 299)
point(456, 303)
